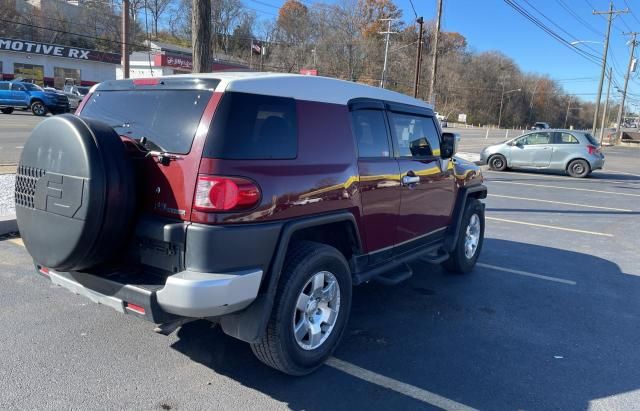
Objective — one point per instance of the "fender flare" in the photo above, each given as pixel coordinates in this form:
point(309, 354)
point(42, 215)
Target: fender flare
point(250, 324)
point(464, 193)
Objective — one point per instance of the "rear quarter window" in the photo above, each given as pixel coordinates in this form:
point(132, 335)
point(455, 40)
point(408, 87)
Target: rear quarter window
point(252, 126)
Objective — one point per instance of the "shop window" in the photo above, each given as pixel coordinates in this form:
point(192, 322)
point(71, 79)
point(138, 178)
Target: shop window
point(61, 73)
point(29, 72)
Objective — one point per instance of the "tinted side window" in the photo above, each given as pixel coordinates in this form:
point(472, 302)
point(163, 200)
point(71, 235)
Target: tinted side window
point(415, 136)
point(4, 86)
point(591, 139)
point(252, 126)
point(370, 133)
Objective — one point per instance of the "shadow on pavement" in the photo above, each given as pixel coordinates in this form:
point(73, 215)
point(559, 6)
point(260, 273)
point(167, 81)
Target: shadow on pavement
point(490, 339)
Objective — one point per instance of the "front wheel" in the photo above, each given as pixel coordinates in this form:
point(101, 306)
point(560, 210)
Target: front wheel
point(310, 310)
point(470, 238)
point(38, 109)
point(497, 162)
point(7, 110)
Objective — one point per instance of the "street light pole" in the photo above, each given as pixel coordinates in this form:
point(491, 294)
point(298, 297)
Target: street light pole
point(386, 50)
point(501, 101)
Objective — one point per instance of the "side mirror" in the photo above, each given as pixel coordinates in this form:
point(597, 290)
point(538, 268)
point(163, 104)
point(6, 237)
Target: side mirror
point(449, 144)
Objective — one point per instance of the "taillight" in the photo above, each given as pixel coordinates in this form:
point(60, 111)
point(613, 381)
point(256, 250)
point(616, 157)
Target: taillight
point(593, 149)
point(215, 193)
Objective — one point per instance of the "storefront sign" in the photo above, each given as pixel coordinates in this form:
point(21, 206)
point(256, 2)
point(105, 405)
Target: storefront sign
point(179, 62)
point(32, 47)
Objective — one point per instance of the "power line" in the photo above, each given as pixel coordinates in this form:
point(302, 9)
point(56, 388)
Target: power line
point(554, 35)
point(413, 8)
point(631, 11)
point(579, 19)
point(558, 26)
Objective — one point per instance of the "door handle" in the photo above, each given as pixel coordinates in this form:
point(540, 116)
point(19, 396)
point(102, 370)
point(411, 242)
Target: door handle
point(407, 180)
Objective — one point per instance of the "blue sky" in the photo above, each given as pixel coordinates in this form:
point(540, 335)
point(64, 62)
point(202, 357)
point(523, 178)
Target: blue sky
point(494, 25)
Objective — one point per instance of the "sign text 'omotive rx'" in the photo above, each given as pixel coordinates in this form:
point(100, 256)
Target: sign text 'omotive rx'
point(59, 51)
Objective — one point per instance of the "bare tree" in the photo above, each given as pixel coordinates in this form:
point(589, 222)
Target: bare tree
point(157, 8)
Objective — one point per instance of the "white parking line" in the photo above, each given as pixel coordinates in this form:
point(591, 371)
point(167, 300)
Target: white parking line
point(397, 386)
point(560, 202)
point(527, 274)
point(565, 178)
point(573, 230)
point(566, 188)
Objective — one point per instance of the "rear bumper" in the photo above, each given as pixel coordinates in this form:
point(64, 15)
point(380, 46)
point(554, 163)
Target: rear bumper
point(185, 294)
point(596, 163)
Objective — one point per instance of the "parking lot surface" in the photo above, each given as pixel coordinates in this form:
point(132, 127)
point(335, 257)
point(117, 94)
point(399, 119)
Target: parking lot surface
point(547, 320)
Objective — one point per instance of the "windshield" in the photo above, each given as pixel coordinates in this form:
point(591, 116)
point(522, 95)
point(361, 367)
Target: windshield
point(31, 87)
point(83, 90)
point(168, 119)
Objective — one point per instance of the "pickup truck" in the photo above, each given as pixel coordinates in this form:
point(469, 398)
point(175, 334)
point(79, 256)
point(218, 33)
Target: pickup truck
point(16, 94)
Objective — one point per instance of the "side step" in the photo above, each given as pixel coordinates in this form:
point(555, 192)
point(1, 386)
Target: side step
point(396, 276)
point(440, 256)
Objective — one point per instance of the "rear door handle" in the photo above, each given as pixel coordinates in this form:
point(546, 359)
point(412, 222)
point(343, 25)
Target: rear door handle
point(407, 180)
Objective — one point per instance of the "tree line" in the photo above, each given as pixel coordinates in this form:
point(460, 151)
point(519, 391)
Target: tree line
point(338, 40)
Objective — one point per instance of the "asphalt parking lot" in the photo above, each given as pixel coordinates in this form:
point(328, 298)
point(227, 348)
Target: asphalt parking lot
point(548, 320)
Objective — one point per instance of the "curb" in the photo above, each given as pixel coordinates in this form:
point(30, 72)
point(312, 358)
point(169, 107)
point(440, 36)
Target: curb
point(8, 224)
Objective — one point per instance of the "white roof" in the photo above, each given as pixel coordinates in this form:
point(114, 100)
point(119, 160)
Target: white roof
point(302, 87)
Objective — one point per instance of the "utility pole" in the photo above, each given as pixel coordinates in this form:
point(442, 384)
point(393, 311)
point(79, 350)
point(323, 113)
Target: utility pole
point(611, 13)
point(630, 67)
point(125, 39)
point(434, 62)
point(606, 107)
point(201, 35)
point(566, 117)
point(420, 22)
point(386, 50)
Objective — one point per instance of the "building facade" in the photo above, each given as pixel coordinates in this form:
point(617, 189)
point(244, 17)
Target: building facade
point(50, 64)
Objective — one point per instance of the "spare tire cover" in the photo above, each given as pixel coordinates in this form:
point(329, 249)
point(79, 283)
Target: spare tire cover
point(74, 193)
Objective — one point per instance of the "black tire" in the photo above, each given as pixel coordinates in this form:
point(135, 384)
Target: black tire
point(278, 347)
point(579, 168)
point(90, 220)
point(459, 262)
point(38, 108)
point(7, 110)
point(497, 162)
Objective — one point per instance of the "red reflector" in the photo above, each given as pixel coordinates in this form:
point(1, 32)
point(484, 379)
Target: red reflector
point(225, 193)
point(146, 81)
point(135, 308)
point(43, 270)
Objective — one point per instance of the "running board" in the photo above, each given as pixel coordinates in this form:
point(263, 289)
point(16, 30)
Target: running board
point(402, 273)
point(433, 255)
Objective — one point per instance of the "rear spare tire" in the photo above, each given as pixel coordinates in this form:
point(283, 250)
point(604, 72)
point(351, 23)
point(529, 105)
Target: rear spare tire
point(75, 193)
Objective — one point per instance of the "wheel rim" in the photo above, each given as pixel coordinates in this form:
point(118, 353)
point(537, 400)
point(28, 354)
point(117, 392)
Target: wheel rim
point(497, 162)
point(316, 310)
point(472, 236)
point(38, 108)
point(578, 168)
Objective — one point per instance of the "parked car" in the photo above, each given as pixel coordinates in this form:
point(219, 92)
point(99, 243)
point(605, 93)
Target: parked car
point(575, 152)
point(252, 200)
point(75, 94)
point(17, 94)
point(540, 126)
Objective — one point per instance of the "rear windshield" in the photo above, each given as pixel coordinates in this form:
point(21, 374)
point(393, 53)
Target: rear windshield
point(167, 118)
point(253, 126)
point(591, 139)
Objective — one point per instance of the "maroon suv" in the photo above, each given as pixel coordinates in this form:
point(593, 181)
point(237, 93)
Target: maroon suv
point(252, 200)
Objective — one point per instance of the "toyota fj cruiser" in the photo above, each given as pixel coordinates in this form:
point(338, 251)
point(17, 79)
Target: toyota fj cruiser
point(252, 200)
